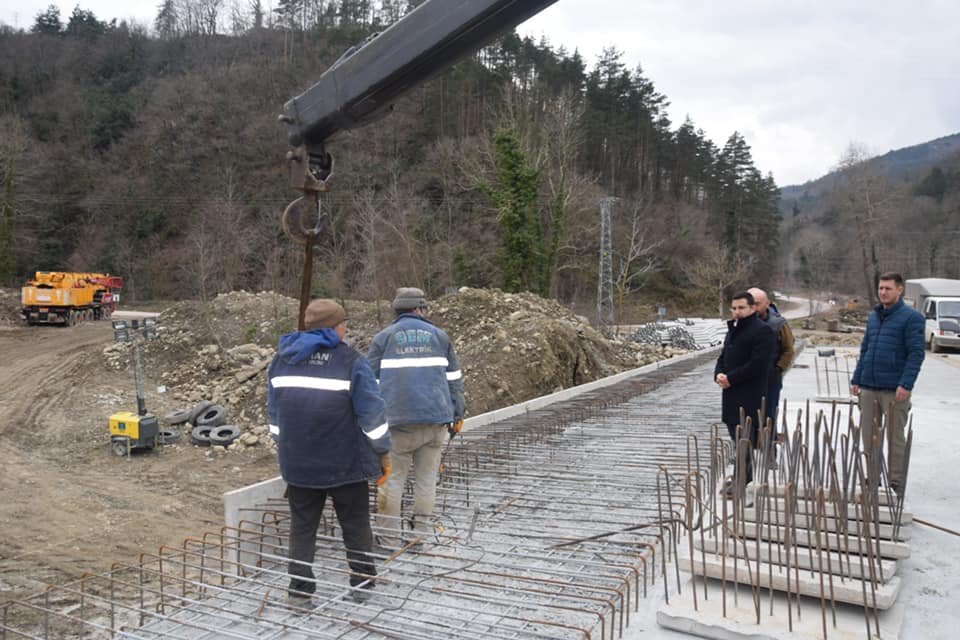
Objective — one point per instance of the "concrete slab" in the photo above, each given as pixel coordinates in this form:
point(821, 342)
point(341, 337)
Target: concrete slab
point(775, 553)
point(767, 576)
point(807, 506)
point(805, 521)
point(707, 620)
point(884, 496)
point(887, 548)
point(239, 505)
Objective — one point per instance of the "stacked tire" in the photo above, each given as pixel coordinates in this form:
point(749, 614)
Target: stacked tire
point(209, 424)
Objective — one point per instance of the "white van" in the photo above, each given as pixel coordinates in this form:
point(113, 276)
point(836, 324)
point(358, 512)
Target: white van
point(938, 299)
point(943, 323)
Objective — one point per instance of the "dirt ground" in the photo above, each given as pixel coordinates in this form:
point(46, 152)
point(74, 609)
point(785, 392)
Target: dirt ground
point(71, 506)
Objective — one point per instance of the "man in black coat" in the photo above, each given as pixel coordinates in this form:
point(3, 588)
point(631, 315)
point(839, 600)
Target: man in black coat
point(742, 370)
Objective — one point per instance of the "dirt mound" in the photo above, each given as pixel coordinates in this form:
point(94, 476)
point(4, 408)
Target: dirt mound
point(514, 347)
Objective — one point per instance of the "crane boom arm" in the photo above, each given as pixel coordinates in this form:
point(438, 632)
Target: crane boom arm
point(368, 78)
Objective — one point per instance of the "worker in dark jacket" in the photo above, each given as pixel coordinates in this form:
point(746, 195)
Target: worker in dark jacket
point(890, 357)
point(327, 417)
point(742, 371)
point(423, 387)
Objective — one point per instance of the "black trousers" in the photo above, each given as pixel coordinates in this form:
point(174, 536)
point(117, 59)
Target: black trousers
point(747, 472)
point(352, 504)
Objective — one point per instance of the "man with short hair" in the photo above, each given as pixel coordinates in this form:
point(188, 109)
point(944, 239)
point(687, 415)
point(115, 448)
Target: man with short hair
point(741, 371)
point(890, 358)
point(783, 354)
point(422, 385)
point(327, 417)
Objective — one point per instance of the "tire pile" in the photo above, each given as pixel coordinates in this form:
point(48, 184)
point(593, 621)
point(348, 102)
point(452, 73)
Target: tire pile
point(208, 422)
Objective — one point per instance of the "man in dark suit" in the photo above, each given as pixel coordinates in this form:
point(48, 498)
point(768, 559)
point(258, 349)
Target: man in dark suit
point(742, 372)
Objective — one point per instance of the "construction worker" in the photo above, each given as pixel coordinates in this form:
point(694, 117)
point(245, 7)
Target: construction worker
point(327, 417)
point(422, 385)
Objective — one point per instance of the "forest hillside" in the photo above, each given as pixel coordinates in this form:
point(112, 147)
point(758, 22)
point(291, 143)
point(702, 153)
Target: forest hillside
point(155, 153)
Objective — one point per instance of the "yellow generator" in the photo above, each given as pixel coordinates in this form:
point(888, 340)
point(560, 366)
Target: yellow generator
point(130, 431)
point(62, 297)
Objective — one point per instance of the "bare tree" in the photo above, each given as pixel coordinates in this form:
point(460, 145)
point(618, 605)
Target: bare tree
point(210, 14)
point(367, 220)
point(639, 258)
point(868, 199)
point(203, 267)
point(716, 272)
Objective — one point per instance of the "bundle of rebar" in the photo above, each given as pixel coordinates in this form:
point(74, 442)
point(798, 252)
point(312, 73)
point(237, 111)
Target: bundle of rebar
point(820, 526)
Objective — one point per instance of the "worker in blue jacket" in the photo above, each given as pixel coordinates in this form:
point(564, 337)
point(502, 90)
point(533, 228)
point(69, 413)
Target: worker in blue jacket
point(327, 417)
point(422, 385)
point(890, 357)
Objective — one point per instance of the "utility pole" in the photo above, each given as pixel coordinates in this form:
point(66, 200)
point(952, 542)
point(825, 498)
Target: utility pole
point(605, 275)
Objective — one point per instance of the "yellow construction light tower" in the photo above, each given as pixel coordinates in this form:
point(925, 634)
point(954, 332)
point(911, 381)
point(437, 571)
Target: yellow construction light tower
point(128, 430)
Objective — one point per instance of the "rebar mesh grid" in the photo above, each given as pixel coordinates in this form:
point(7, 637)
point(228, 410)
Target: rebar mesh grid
point(551, 524)
point(546, 526)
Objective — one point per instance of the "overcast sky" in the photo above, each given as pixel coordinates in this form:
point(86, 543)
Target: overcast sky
point(800, 81)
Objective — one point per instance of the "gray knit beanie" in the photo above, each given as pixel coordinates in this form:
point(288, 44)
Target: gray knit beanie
point(409, 298)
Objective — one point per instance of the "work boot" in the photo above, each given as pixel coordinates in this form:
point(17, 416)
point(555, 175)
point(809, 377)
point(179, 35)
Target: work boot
point(361, 594)
point(728, 487)
point(300, 601)
point(731, 490)
point(387, 543)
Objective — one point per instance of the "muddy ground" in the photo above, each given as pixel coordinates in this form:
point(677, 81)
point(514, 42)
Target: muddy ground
point(71, 506)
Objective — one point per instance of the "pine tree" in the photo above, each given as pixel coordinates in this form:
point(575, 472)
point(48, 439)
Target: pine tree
point(84, 24)
point(48, 22)
point(167, 23)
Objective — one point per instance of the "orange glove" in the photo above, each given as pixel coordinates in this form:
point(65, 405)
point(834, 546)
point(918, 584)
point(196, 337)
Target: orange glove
point(454, 427)
point(386, 467)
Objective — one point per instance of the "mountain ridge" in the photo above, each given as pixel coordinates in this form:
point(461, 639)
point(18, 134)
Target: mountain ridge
point(897, 163)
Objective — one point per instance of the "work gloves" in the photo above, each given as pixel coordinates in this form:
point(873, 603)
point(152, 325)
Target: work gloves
point(453, 428)
point(386, 467)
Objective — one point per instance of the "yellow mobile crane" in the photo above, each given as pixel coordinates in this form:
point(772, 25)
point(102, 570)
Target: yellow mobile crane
point(67, 298)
